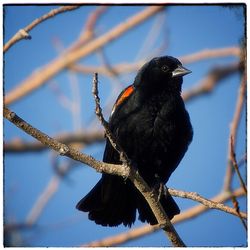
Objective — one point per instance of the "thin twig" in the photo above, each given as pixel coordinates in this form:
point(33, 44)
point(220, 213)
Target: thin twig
point(233, 131)
point(98, 111)
point(237, 209)
point(49, 191)
point(209, 203)
point(24, 33)
point(242, 160)
point(235, 165)
point(231, 145)
point(152, 36)
point(42, 200)
point(73, 103)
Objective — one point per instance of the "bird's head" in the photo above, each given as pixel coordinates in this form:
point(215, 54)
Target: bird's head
point(161, 73)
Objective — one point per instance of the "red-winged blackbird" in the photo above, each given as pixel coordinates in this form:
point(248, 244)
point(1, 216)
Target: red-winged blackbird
point(150, 122)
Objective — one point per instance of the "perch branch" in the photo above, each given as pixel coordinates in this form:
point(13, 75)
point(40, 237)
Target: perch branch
point(63, 149)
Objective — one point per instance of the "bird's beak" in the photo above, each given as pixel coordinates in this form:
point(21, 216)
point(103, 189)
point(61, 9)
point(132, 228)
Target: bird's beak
point(180, 71)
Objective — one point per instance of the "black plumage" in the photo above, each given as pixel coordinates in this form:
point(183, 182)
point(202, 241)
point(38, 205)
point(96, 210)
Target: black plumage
point(150, 122)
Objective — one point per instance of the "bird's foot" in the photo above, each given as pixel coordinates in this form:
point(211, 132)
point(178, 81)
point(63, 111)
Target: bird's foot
point(160, 188)
point(131, 167)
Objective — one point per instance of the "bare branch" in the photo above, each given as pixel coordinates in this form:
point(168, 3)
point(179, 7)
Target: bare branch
point(88, 31)
point(42, 200)
point(147, 229)
point(211, 80)
point(50, 189)
point(124, 68)
point(237, 209)
point(85, 138)
point(205, 86)
point(209, 203)
point(211, 53)
point(24, 33)
point(39, 78)
point(234, 163)
point(233, 130)
point(63, 149)
point(98, 111)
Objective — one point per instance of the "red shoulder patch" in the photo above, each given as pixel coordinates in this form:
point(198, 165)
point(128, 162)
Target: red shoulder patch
point(123, 96)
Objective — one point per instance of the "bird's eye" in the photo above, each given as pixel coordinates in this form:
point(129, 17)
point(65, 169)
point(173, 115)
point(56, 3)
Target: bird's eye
point(164, 68)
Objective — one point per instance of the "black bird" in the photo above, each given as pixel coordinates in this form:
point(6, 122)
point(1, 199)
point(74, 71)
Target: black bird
point(150, 122)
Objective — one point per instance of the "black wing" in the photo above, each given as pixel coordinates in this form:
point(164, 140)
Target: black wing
point(110, 154)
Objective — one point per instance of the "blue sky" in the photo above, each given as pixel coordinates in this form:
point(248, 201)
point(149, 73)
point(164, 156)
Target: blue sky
point(187, 29)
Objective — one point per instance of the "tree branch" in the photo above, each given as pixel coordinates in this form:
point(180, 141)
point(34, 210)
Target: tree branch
point(24, 33)
point(211, 80)
point(63, 149)
point(42, 200)
point(39, 78)
point(234, 163)
point(98, 111)
point(205, 86)
point(124, 68)
point(147, 229)
point(208, 203)
point(88, 31)
point(85, 138)
point(211, 53)
point(233, 131)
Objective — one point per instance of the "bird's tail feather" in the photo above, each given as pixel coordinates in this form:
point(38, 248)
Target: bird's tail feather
point(111, 202)
point(146, 214)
